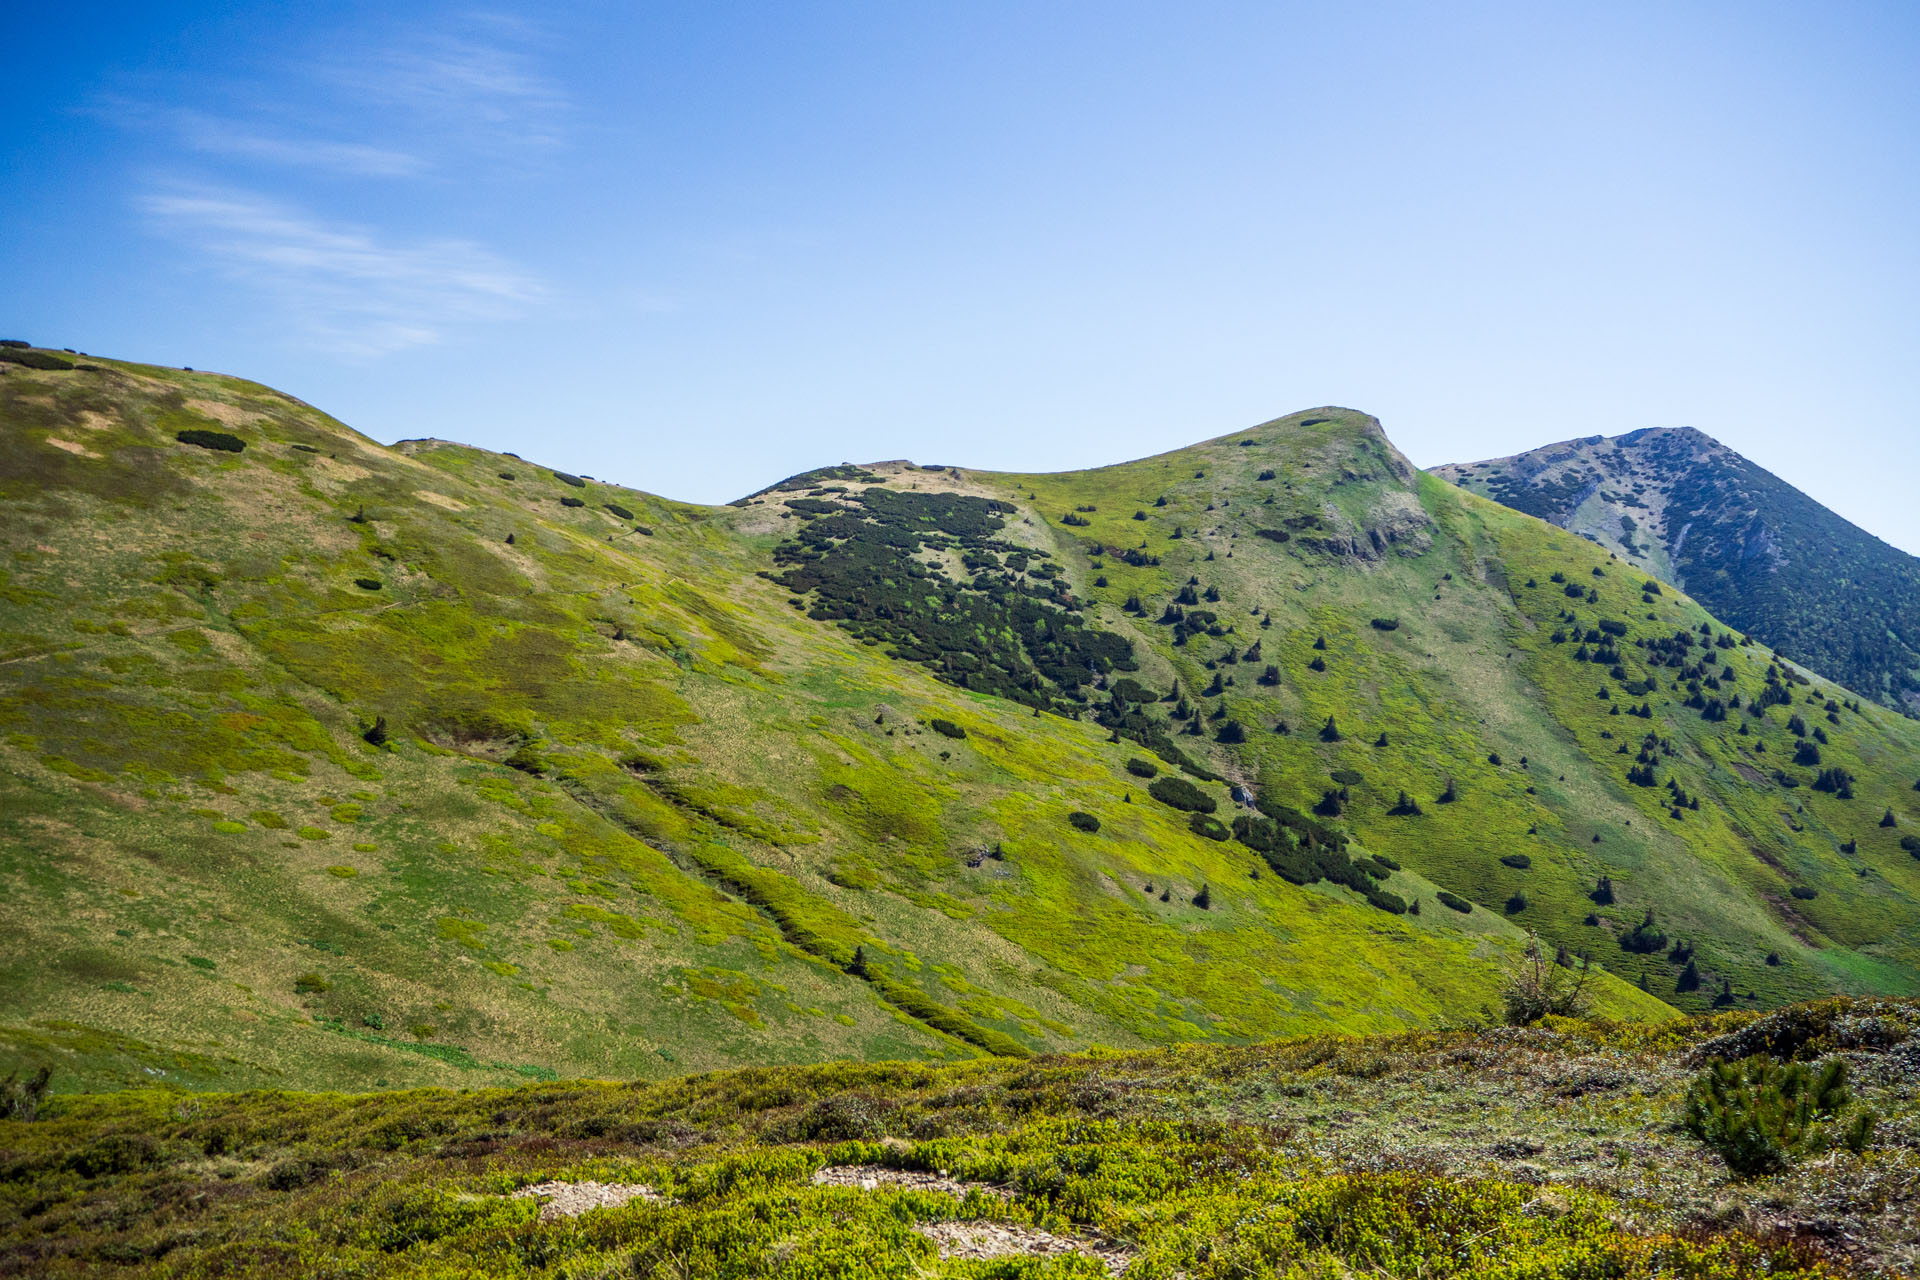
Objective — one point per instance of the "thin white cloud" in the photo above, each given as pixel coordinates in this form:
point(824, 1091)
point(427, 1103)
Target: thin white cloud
point(225, 136)
point(478, 87)
point(343, 287)
point(217, 136)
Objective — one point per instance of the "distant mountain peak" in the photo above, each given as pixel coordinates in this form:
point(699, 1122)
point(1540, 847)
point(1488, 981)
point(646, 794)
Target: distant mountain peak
point(1766, 557)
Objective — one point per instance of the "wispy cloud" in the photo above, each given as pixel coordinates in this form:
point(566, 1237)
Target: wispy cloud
point(411, 113)
point(217, 136)
point(204, 133)
point(346, 288)
point(482, 85)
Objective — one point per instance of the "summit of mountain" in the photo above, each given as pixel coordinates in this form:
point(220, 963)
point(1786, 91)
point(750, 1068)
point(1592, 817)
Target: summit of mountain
point(1758, 552)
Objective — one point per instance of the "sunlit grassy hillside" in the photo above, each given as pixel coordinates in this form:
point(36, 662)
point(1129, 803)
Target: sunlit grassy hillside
point(334, 764)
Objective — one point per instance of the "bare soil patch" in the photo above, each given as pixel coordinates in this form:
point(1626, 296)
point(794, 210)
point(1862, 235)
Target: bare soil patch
point(1006, 1240)
point(571, 1199)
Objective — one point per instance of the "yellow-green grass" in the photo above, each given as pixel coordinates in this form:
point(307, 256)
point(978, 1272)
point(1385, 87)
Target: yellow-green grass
point(662, 808)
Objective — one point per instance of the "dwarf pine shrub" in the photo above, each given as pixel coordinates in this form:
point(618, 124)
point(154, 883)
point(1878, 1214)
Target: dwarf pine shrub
point(218, 440)
point(1760, 1114)
point(1178, 793)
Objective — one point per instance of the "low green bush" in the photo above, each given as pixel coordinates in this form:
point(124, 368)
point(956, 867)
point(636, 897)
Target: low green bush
point(1455, 901)
point(1761, 1115)
point(219, 440)
point(1180, 794)
point(33, 359)
point(946, 728)
point(1209, 828)
point(1084, 821)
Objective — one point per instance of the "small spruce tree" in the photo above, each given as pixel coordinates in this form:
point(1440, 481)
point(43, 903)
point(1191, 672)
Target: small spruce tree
point(1689, 979)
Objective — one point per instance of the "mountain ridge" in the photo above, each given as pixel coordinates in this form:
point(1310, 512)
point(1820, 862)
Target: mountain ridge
point(444, 767)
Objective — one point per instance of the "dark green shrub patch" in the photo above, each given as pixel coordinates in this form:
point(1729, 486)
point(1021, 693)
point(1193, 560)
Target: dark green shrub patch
point(1181, 794)
point(1003, 634)
point(30, 359)
point(219, 440)
point(946, 728)
point(1084, 821)
point(618, 510)
point(564, 478)
point(1455, 901)
point(1645, 938)
point(1303, 850)
point(1145, 768)
point(1206, 827)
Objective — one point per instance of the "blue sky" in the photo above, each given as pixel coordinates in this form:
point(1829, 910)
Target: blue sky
point(694, 247)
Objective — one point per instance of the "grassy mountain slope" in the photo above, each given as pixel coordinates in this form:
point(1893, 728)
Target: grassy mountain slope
point(667, 787)
point(1755, 550)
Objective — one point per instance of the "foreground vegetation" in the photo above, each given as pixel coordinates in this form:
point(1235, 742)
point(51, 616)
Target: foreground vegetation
point(1560, 1150)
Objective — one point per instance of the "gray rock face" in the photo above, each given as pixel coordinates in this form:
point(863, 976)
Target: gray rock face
point(1681, 506)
